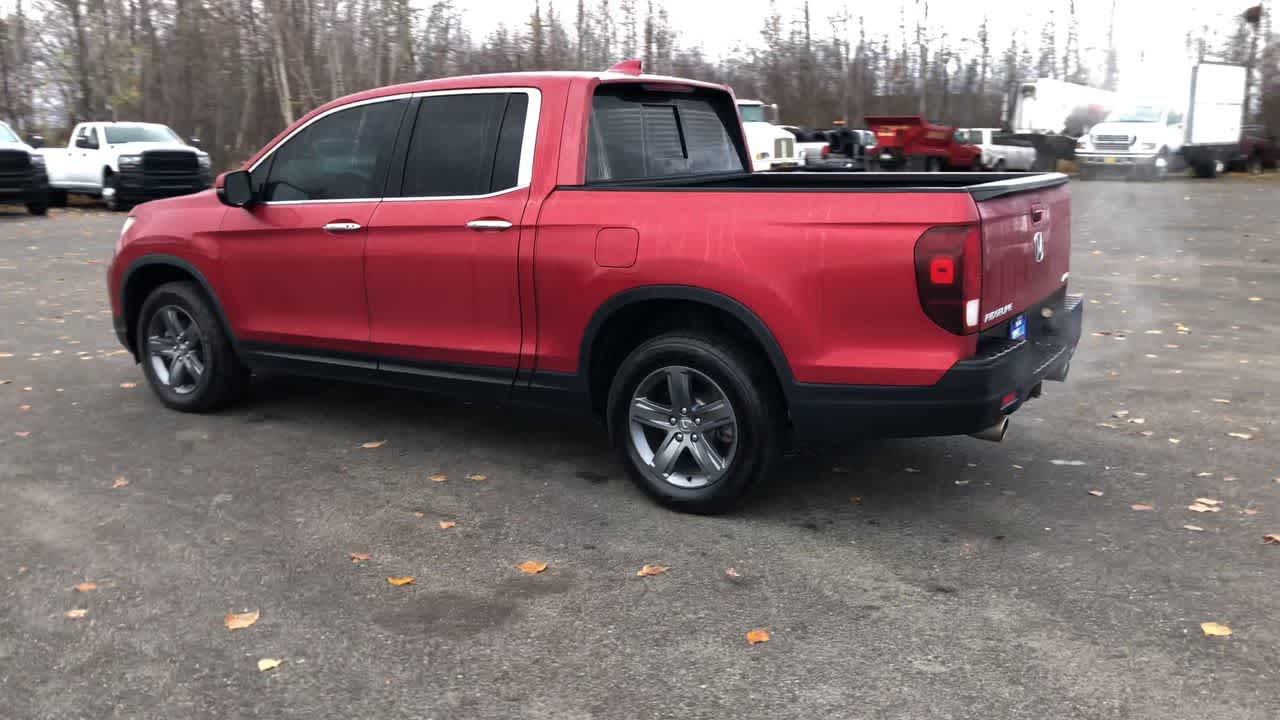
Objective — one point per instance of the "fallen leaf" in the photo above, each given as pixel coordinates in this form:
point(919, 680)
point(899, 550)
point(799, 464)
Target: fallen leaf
point(1204, 474)
point(477, 477)
point(651, 570)
point(1271, 539)
point(1221, 401)
point(1141, 507)
point(240, 621)
point(1208, 501)
point(757, 636)
point(1250, 511)
point(857, 499)
point(77, 613)
point(399, 581)
point(85, 587)
point(128, 385)
point(446, 524)
point(438, 477)
point(1096, 493)
point(731, 572)
point(1147, 433)
point(24, 408)
point(1195, 528)
point(266, 664)
point(1213, 629)
point(1120, 413)
point(1137, 421)
point(22, 433)
point(1197, 507)
point(1255, 298)
point(1174, 441)
point(119, 483)
point(5, 382)
point(6, 354)
point(1072, 463)
point(419, 513)
point(373, 444)
point(532, 567)
point(360, 557)
point(1240, 435)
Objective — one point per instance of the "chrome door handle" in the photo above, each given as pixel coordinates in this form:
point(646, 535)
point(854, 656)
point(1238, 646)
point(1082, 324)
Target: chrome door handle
point(341, 227)
point(489, 225)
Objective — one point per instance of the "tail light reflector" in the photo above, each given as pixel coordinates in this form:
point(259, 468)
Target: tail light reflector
point(949, 276)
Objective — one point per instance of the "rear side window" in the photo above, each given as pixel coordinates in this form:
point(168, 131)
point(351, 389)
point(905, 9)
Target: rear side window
point(637, 133)
point(467, 144)
point(341, 156)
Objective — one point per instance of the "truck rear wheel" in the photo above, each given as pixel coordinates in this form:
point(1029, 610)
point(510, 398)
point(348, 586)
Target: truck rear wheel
point(697, 421)
point(39, 206)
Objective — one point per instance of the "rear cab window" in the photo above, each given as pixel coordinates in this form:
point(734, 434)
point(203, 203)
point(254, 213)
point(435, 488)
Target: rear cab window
point(641, 131)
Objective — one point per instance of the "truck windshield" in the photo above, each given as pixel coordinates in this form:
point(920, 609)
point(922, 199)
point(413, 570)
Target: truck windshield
point(1137, 113)
point(8, 135)
point(637, 133)
point(751, 113)
point(119, 134)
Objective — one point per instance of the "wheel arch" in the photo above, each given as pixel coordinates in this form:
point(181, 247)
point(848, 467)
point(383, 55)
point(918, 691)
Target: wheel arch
point(680, 305)
point(148, 272)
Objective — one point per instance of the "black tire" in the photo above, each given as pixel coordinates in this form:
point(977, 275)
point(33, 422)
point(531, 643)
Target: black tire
point(58, 198)
point(112, 199)
point(39, 207)
point(1254, 164)
point(223, 379)
point(747, 384)
point(1207, 169)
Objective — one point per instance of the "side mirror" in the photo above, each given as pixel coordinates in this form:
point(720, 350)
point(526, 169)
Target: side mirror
point(193, 141)
point(85, 143)
point(36, 141)
point(237, 189)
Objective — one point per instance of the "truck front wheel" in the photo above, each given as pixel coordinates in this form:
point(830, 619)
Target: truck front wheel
point(697, 421)
point(111, 193)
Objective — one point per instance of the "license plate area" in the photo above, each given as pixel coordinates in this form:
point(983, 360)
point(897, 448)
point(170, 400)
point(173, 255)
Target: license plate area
point(1018, 327)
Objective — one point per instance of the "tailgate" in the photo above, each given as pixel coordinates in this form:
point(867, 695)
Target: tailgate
point(1026, 248)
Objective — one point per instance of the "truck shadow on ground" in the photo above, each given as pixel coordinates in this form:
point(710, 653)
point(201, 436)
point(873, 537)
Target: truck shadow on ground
point(908, 475)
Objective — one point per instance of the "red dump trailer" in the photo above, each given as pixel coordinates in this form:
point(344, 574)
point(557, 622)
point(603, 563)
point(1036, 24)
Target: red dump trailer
point(909, 142)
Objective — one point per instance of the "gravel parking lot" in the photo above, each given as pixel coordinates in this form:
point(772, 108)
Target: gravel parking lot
point(1060, 574)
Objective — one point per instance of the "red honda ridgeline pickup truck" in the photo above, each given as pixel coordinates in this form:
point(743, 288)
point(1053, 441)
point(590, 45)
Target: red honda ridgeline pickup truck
point(597, 241)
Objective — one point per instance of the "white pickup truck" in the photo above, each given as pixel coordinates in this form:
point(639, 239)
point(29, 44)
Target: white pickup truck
point(126, 163)
point(999, 153)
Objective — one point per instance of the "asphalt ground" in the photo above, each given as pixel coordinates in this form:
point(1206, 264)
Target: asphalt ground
point(932, 578)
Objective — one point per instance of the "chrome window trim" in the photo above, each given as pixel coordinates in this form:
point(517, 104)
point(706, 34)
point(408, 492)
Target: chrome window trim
point(524, 173)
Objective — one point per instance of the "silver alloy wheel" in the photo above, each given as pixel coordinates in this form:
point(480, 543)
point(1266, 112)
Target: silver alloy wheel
point(682, 427)
point(176, 349)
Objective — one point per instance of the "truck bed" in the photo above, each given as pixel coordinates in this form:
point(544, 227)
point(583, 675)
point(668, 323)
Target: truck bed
point(982, 186)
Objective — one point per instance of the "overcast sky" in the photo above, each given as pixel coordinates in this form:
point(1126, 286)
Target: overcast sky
point(1150, 34)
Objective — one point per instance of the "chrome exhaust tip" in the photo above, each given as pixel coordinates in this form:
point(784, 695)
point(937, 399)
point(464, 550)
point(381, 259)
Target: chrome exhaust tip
point(995, 433)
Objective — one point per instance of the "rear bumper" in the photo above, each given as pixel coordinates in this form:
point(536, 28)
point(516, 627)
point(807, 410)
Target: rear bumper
point(973, 395)
point(136, 186)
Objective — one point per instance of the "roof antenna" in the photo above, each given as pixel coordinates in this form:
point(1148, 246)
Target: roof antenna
point(627, 67)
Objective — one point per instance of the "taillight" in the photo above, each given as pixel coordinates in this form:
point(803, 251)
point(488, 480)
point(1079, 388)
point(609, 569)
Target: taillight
point(826, 150)
point(949, 276)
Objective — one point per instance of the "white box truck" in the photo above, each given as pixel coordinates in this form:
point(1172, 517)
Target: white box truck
point(1214, 117)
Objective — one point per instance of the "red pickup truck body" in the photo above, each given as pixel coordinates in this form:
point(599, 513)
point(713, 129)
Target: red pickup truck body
point(819, 276)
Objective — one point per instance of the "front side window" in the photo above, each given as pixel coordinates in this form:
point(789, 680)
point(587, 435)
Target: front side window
point(7, 135)
point(751, 113)
point(466, 144)
point(637, 133)
point(341, 156)
point(89, 135)
point(120, 134)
